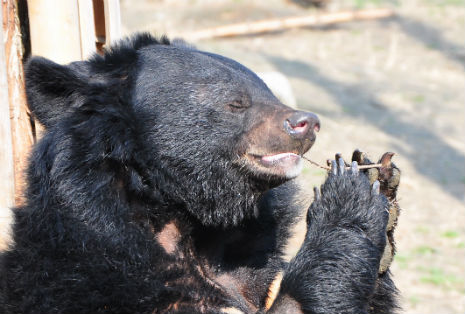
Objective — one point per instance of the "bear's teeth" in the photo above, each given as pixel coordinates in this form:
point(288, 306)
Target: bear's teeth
point(284, 164)
point(271, 158)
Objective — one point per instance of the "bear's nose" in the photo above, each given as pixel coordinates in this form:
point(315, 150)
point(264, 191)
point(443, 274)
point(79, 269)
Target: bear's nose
point(301, 124)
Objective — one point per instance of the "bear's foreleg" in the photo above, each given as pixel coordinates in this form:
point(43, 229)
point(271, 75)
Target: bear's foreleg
point(336, 270)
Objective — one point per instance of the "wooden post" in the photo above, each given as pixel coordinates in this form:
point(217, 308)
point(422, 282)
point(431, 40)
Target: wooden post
point(107, 22)
point(21, 128)
point(87, 29)
point(55, 29)
point(112, 20)
point(68, 30)
point(7, 174)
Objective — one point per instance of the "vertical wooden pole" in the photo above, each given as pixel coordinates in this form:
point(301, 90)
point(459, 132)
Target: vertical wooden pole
point(112, 21)
point(87, 29)
point(66, 31)
point(21, 128)
point(7, 188)
point(107, 20)
point(55, 29)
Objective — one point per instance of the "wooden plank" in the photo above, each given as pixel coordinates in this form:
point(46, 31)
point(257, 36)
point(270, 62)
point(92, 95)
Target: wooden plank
point(7, 189)
point(86, 27)
point(112, 21)
point(99, 23)
point(107, 20)
point(55, 29)
point(21, 129)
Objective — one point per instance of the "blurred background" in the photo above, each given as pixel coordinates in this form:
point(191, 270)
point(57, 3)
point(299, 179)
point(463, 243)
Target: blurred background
point(387, 84)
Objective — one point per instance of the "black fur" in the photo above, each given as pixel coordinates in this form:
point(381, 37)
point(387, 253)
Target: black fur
point(336, 270)
point(153, 133)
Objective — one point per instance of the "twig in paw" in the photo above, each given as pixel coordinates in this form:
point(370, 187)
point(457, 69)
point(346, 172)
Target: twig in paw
point(328, 168)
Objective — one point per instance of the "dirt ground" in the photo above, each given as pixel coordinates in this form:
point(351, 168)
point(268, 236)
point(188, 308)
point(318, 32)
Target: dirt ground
point(396, 84)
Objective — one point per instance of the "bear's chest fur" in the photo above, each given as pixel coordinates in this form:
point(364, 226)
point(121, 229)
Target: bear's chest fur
point(210, 262)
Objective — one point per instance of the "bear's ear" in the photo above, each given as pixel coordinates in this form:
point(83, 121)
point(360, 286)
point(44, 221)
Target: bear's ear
point(49, 87)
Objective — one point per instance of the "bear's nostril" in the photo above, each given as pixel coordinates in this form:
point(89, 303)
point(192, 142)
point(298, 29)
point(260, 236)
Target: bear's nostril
point(297, 125)
point(300, 127)
point(302, 124)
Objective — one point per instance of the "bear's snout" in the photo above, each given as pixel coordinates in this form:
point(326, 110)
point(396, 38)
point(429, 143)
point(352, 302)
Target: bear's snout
point(276, 144)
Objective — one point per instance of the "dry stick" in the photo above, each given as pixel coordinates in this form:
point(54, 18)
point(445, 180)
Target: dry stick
point(328, 168)
point(271, 25)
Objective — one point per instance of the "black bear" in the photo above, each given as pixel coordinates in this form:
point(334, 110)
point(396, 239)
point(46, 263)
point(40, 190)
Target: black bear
point(163, 184)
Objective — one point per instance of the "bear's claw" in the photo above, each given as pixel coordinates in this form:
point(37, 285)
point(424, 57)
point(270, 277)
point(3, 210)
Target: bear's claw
point(354, 168)
point(339, 166)
point(375, 188)
point(317, 193)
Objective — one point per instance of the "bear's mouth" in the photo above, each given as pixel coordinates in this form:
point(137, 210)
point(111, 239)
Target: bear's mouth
point(287, 164)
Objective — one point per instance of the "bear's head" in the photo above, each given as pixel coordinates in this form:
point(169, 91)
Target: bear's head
point(201, 131)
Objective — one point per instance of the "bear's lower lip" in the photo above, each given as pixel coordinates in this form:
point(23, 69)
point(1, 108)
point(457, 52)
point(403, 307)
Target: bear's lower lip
point(287, 164)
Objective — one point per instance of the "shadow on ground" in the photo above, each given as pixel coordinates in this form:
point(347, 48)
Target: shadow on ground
point(430, 36)
point(445, 160)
